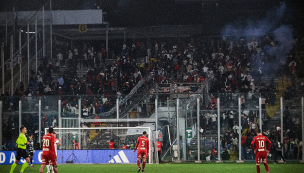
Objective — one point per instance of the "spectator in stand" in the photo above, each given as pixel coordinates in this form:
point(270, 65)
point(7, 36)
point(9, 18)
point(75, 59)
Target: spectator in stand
point(102, 109)
point(213, 120)
point(4, 147)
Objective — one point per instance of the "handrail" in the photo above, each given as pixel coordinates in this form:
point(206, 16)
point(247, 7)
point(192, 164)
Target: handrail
point(25, 22)
point(23, 71)
point(132, 92)
point(169, 148)
point(17, 52)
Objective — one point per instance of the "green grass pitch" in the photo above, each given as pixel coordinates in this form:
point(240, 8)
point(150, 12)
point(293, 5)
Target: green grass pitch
point(166, 168)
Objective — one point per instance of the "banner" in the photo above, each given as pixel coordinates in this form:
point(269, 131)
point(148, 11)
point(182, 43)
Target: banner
point(76, 156)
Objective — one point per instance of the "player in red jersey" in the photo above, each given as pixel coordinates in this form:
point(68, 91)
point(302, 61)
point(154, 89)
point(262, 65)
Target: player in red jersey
point(143, 147)
point(259, 147)
point(48, 154)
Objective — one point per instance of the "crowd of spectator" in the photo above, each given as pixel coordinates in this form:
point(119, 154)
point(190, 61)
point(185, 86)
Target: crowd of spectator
point(233, 67)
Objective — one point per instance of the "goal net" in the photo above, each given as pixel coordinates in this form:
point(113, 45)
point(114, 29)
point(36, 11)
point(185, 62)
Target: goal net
point(91, 144)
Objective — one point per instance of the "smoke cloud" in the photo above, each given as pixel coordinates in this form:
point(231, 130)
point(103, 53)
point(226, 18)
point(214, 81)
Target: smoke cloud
point(269, 25)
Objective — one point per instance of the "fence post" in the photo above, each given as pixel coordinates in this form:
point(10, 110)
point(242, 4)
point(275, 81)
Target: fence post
point(177, 129)
point(260, 113)
point(302, 129)
point(79, 122)
point(156, 113)
point(39, 108)
point(281, 117)
point(240, 130)
point(20, 114)
point(218, 131)
point(198, 131)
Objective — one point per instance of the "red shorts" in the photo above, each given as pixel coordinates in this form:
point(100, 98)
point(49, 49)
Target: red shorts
point(142, 154)
point(261, 155)
point(48, 159)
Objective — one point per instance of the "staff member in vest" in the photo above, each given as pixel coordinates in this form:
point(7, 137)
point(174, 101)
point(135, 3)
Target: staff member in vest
point(159, 150)
point(21, 150)
point(112, 145)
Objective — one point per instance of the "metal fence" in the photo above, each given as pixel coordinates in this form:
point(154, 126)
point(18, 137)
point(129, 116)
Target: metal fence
point(191, 126)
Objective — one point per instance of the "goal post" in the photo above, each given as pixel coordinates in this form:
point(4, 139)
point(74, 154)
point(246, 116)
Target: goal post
point(95, 139)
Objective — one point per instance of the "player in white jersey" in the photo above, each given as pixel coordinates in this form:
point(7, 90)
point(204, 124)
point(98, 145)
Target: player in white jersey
point(57, 143)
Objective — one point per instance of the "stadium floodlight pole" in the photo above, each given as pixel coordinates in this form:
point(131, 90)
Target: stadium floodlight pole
point(28, 51)
point(260, 113)
point(218, 130)
point(2, 64)
point(302, 128)
point(6, 35)
point(51, 30)
point(177, 129)
point(39, 114)
point(43, 34)
point(198, 128)
point(20, 114)
point(19, 54)
point(79, 122)
point(11, 64)
point(240, 127)
point(36, 41)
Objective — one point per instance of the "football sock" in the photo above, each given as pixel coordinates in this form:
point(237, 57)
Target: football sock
point(31, 160)
point(144, 165)
point(24, 166)
point(138, 163)
point(258, 168)
point(266, 167)
point(13, 167)
point(48, 168)
point(51, 168)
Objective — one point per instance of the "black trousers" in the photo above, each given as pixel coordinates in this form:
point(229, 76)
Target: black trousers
point(278, 153)
point(159, 157)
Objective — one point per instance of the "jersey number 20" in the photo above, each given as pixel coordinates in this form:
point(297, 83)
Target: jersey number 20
point(46, 142)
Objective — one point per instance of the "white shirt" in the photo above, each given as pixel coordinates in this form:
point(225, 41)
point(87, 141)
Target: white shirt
point(56, 143)
point(85, 111)
point(60, 56)
point(213, 117)
point(205, 69)
point(54, 122)
point(104, 100)
point(221, 69)
point(236, 129)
